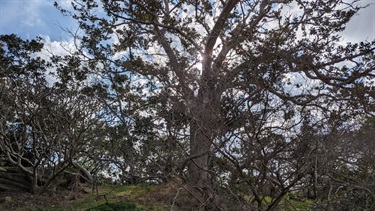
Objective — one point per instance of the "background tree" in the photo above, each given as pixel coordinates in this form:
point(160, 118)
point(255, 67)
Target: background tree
point(229, 75)
point(45, 128)
point(345, 170)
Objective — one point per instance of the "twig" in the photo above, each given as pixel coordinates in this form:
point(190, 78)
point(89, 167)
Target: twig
point(175, 198)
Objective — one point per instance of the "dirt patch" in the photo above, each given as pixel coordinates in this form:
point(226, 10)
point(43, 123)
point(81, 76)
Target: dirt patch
point(174, 194)
point(24, 200)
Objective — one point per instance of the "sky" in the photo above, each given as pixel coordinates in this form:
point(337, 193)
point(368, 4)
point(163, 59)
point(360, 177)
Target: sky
point(31, 18)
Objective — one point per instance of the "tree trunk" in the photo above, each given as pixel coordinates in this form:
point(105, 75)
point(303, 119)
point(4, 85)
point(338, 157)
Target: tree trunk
point(203, 124)
point(200, 145)
point(85, 174)
point(200, 177)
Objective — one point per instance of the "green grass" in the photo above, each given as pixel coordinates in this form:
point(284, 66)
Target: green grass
point(84, 203)
point(300, 205)
point(116, 207)
point(134, 191)
point(137, 198)
point(124, 195)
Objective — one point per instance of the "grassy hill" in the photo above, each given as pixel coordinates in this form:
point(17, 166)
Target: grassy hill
point(145, 197)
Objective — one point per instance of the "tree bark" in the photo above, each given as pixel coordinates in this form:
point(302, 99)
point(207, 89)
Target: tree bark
point(204, 118)
point(204, 124)
point(200, 146)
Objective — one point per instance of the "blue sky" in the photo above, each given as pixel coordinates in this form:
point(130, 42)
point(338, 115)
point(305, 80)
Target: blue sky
point(30, 18)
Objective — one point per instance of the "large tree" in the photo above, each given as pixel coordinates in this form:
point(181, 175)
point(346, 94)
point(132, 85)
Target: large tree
point(233, 78)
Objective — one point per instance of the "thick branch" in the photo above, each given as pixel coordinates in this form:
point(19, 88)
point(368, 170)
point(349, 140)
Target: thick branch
point(212, 38)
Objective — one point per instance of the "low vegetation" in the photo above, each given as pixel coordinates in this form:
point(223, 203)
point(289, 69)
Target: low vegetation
point(123, 197)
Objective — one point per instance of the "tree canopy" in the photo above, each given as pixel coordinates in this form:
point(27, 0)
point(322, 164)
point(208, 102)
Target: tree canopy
point(240, 99)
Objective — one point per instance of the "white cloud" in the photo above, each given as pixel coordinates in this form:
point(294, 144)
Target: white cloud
point(362, 25)
point(58, 48)
point(25, 13)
